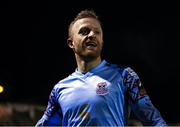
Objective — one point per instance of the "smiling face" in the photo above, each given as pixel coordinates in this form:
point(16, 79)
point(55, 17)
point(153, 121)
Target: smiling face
point(86, 38)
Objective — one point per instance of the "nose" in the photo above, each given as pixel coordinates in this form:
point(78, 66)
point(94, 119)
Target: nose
point(91, 34)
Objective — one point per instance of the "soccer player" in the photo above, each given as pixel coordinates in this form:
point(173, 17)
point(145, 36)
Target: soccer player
point(98, 93)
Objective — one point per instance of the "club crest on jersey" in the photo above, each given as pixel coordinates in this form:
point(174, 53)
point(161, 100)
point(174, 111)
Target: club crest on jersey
point(102, 88)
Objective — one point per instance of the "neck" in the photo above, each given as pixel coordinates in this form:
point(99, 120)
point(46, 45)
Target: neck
point(86, 65)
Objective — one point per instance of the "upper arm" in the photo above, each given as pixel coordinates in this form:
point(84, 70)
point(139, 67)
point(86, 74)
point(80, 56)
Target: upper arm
point(139, 101)
point(52, 114)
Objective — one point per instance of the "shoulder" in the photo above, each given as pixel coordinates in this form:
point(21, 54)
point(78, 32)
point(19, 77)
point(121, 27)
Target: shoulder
point(124, 70)
point(58, 87)
point(117, 67)
point(64, 81)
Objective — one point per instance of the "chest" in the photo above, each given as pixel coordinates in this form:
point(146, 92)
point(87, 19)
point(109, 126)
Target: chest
point(94, 91)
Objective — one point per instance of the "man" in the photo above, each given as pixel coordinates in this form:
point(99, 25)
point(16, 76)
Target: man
point(97, 93)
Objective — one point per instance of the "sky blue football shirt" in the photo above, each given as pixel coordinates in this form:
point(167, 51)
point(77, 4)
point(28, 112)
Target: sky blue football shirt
point(100, 97)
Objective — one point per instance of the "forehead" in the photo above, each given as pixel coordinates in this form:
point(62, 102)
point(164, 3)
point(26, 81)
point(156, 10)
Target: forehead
point(86, 22)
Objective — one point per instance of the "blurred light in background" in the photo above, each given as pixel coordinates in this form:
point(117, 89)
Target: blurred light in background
point(1, 89)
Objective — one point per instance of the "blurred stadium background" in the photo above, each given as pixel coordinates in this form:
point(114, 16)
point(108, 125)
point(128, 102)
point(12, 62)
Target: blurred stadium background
point(19, 114)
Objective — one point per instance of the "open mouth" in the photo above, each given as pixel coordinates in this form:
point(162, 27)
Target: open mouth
point(91, 44)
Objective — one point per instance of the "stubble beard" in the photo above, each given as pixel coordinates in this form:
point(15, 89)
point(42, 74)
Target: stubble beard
point(87, 56)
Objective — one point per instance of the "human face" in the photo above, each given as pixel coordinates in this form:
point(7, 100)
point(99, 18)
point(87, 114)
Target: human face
point(87, 38)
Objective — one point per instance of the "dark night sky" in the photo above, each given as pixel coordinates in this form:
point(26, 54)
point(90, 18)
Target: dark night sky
point(34, 55)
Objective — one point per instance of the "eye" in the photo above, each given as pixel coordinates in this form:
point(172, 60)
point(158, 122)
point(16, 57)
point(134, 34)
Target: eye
point(97, 32)
point(84, 31)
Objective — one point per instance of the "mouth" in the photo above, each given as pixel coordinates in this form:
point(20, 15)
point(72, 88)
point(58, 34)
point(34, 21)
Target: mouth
point(91, 44)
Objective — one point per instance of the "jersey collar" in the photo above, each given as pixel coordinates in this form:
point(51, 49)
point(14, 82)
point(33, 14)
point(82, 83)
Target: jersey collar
point(97, 68)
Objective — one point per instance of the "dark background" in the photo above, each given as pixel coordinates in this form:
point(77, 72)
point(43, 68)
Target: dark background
point(34, 55)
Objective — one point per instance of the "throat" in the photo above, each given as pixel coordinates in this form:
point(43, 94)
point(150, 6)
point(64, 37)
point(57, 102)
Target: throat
point(85, 66)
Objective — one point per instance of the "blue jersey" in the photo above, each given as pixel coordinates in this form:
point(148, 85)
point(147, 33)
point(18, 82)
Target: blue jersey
point(100, 97)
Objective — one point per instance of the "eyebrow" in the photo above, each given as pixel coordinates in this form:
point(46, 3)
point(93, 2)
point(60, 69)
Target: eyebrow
point(94, 28)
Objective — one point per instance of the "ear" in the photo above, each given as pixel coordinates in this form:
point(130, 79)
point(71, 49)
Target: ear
point(70, 42)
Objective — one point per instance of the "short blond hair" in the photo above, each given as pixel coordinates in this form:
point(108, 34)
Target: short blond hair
point(80, 15)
